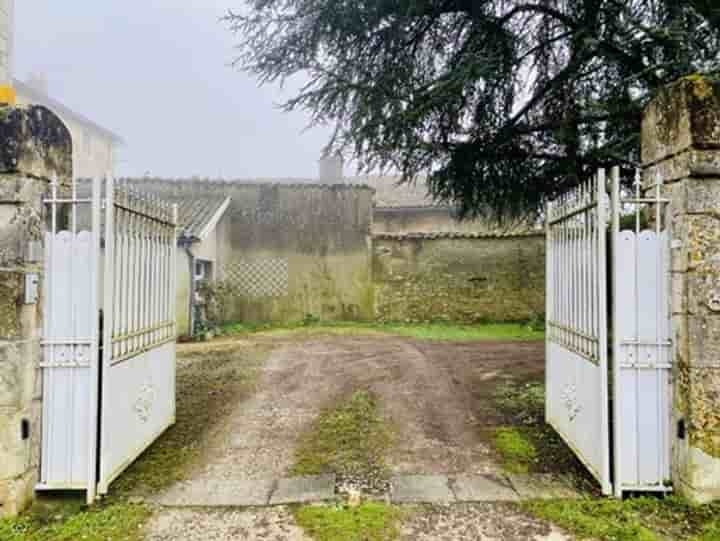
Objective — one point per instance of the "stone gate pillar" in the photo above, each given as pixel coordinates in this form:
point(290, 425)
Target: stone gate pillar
point(681, 141)
point(35, 146)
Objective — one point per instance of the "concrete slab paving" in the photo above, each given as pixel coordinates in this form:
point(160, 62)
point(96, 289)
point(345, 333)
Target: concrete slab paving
point(220, 493)
point(315, 488)
point(542, 487)
point(420, 489)
point(483, 488)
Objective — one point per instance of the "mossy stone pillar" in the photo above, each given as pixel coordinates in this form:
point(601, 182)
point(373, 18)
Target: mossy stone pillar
point(681, 142)
point(35, 146)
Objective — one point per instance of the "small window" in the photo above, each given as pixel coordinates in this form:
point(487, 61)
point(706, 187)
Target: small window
point(202, 269)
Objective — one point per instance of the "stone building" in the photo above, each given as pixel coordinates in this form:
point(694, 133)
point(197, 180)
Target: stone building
point(400, 208)
point(202, 247)
point(280, 252)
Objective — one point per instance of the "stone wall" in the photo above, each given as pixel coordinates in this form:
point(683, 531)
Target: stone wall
point(292, 251)
point(681, 142)
point(35, 146)
point(458, 277)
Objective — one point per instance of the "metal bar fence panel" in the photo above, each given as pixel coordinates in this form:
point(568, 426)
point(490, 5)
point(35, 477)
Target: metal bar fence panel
point(576, 342)
point(139, 354)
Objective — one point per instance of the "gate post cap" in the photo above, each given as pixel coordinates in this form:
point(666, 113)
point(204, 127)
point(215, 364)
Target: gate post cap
point(684, 115)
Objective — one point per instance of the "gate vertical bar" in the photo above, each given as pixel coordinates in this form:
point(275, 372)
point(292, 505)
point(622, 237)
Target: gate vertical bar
point(602, 330)
point(94, 402)
point(549, 297)
point(108, 306)
point(173, 297)
point(616, 357)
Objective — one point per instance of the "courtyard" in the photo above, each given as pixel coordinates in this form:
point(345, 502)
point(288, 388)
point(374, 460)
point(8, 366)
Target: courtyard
point(403, 421)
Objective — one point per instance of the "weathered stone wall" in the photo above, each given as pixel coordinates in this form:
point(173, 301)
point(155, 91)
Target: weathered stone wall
point(457, 277)
point(289, 251)
point(34, 146)
point(681, 142)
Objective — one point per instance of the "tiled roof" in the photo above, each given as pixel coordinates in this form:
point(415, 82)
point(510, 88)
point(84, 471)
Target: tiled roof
point(459, 235)
point(195, 214)
point(389, 193)
point(221, 183)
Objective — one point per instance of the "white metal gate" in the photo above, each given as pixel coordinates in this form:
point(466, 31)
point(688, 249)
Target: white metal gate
point(70, 340)
point(642, 352)
point(576, 311)
point(109, 343)
point(580, 384)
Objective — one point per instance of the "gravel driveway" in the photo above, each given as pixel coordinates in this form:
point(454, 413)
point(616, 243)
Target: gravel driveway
point(438, 396)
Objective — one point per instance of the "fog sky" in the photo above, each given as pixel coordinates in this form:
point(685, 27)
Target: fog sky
point(156, 72)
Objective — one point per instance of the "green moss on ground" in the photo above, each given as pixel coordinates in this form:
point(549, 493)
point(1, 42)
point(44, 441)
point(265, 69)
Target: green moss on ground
point(516, 448)
point(348, 439)
point(68, 521)
point(439, 331)
point(525, 443)
point(370, 521)
point(634, 519)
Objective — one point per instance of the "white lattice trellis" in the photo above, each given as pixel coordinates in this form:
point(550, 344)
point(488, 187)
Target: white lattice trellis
point(267, 277)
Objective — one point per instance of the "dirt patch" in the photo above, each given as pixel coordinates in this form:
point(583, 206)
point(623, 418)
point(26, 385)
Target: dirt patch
point(439, 396)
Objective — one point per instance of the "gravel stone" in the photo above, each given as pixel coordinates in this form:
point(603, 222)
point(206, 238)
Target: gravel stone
point(267, 524)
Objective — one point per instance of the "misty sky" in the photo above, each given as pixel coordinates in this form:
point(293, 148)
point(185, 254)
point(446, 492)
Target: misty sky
point(156, 72)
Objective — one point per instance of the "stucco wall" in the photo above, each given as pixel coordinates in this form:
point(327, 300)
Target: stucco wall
point(319, 234)
point(458, 278)
point(182, 293)
point(286, 252)
point(207, 249)
point(223, 248)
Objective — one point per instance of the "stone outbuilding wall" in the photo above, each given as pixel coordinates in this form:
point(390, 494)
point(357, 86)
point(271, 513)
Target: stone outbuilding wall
point(459, 277)
point(681, 142)
point(289, 251)
point(36, 146)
